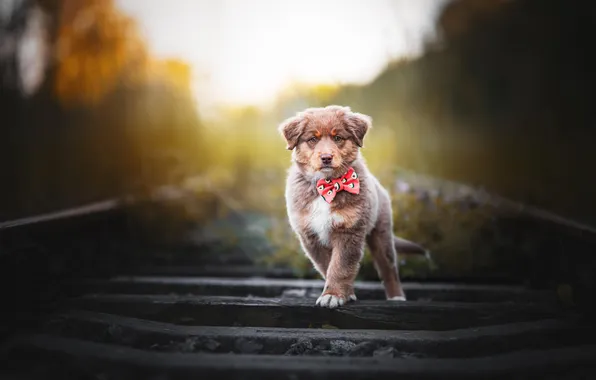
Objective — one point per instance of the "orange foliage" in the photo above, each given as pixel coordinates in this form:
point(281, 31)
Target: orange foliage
point(175, 72)
point(97, 47)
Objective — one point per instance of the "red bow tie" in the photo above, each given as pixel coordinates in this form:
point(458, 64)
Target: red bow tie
point(349, 182)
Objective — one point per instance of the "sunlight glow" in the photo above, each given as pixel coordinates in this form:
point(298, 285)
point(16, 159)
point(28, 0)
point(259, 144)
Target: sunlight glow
point(245, 52)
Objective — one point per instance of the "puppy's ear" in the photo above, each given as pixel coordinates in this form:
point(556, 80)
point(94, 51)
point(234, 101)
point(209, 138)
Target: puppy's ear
point(358, 124)
point(291, 129)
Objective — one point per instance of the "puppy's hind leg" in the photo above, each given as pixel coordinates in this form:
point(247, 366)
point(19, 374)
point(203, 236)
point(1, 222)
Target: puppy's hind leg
point(385, 260)
point(381, 243)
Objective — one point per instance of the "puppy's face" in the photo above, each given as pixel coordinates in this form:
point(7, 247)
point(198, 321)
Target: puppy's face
point(325, 141)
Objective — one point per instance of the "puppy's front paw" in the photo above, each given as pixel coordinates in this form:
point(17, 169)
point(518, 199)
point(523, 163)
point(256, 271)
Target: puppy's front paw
point(330, 300)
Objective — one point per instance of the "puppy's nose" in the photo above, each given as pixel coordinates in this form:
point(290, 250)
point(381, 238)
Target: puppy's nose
point(326, 158)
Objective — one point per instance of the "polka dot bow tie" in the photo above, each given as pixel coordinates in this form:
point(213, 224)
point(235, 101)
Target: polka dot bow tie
point(349, 182)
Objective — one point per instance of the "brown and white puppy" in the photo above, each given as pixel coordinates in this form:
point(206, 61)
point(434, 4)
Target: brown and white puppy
point(333, 224)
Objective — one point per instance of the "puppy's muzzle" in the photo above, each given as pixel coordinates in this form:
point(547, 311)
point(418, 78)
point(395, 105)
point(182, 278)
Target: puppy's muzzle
point(326, 159)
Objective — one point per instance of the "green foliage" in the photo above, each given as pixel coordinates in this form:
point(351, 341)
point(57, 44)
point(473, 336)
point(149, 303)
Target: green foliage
point(445, 217)
point(455, 113)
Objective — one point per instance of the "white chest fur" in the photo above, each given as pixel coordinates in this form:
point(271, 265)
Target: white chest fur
point(321, 220)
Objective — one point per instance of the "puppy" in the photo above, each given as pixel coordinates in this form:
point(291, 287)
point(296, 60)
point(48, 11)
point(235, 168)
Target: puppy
point(336, 206)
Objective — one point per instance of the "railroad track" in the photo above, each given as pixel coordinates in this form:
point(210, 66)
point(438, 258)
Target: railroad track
point(170, 324)
point(256, 328)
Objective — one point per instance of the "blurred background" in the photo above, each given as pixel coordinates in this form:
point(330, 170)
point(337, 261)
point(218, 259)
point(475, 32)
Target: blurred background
point(482, 109)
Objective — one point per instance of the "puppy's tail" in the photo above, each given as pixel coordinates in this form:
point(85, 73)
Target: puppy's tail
point(404, 246)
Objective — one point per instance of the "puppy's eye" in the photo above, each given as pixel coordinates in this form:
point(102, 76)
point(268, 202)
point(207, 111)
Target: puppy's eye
point(337, 138)
point(312, 140)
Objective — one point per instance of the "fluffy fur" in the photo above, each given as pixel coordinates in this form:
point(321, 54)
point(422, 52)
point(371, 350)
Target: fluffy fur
point(333, 236)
